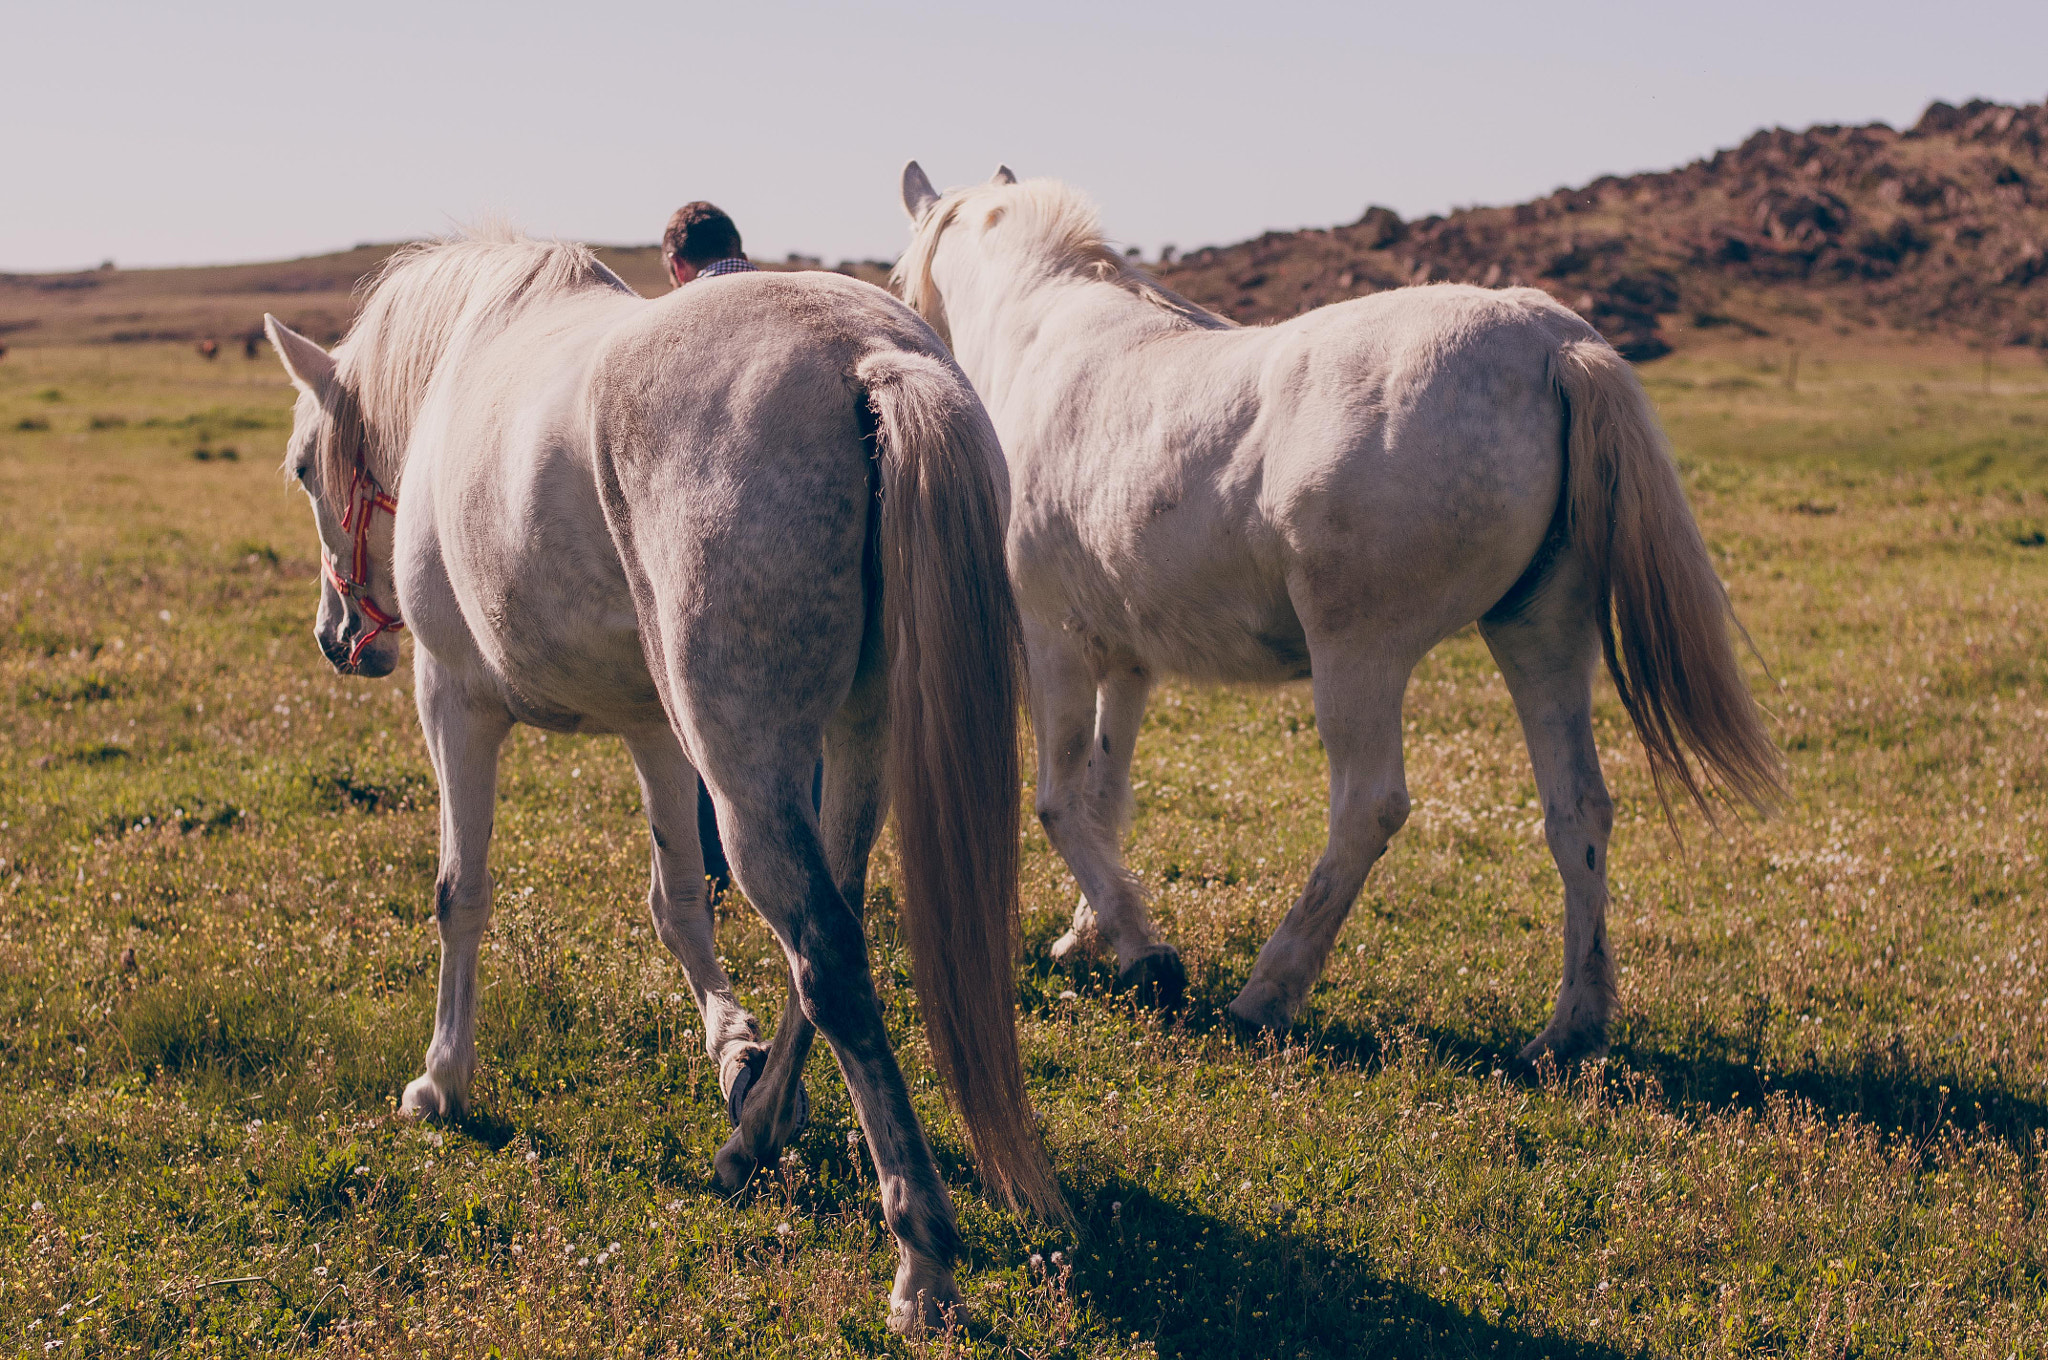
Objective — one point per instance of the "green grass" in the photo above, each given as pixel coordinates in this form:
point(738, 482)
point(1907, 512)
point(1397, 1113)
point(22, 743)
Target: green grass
point(1821, 1132)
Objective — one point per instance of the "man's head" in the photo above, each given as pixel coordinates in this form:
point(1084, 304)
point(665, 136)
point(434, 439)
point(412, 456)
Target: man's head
point(698, 234)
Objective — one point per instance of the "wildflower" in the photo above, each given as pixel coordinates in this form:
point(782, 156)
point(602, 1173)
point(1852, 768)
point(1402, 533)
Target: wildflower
point(320, 1271)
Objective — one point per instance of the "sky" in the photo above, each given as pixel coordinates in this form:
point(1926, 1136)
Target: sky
point(205, 133)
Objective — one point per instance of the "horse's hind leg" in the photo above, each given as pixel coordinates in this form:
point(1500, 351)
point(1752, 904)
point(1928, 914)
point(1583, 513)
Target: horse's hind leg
point(780, 864)
point(1358, 688)
point(1547, 648)
point(463, 740)
point(677, 898)
point(853, 804)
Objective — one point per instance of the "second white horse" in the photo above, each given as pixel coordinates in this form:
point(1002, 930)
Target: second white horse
point(1328, 497)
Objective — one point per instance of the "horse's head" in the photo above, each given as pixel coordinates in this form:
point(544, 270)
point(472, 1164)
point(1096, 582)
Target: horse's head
point(974, 249)
point(358, 603)
point(947, 239)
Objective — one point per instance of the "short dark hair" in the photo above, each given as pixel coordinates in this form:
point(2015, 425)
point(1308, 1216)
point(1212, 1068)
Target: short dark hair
point(700, 233)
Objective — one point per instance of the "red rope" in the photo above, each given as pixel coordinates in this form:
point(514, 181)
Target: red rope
point(365, 498)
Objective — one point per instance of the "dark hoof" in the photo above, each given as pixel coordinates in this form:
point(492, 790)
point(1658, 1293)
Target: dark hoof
point(736, 1099)
point(743, 1081)
point(1158, 980)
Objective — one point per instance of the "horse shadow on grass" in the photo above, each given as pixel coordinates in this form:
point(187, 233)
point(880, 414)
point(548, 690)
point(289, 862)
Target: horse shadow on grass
point(1197, 1284)
point(1888, 1089)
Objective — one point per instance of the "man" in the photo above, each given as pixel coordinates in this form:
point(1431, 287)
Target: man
point(701, 243)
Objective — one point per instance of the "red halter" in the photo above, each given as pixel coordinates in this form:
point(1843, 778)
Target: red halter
point(365, 498)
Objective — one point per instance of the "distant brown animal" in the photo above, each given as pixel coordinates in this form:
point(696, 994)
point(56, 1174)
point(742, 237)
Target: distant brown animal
point(208, 348)
point(251, 345)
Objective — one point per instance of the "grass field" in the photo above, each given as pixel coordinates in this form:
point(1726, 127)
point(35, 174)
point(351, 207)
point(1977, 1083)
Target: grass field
point(1823, 1131)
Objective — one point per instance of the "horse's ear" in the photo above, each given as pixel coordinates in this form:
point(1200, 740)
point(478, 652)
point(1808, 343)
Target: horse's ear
point(1003, 175)
point(310, 367)
point(918, 193)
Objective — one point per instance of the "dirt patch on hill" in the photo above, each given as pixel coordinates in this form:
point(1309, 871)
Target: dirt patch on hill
point(1941, 229)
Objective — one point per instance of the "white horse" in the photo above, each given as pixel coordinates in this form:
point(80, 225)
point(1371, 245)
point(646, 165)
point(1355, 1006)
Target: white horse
point(1330, 497)
point(737, 525)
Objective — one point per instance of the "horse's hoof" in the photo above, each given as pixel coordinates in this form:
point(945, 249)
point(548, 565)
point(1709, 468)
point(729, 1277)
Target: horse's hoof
point(1565, 1047)
point(743, 1084)
point(1157, 979)
point(751, 1067)
point(424, 1100)
point(1262, 1006)
point(924, 1300)
point(1072, 945)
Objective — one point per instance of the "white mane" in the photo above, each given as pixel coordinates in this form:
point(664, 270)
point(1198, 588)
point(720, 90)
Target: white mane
point(416, 305)
point(1056, 229)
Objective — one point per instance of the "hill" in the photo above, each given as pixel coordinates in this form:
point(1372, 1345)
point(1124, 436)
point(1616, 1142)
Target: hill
point(1941, 229)
point(226, 302)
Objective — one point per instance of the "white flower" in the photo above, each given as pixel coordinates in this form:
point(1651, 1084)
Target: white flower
point(321, 1271)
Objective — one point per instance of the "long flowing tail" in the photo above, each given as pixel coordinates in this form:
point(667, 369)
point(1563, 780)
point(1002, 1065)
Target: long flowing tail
point(955, 660)
point(1663, 613)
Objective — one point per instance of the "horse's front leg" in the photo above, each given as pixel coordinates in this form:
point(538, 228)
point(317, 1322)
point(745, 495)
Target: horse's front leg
point(1087, 730)
point(679, 903)
point(463, 739)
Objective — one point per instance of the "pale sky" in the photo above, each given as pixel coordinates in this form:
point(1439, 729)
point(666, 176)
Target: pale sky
point(198, 133)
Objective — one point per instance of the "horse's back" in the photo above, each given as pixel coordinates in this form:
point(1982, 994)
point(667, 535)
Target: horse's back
point(1223, 495)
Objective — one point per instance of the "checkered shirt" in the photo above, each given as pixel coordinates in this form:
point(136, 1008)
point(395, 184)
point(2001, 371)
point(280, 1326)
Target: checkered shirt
point(735, 264)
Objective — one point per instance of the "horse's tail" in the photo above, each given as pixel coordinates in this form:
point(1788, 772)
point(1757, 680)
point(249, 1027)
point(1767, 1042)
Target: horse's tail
point(1663, 613)
point(955, 662)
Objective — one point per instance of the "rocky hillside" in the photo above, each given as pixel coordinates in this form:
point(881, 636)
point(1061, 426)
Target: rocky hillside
point(1940, 229)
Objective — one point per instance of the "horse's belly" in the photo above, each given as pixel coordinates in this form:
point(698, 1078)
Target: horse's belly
point(1214, 616)
point(588, 675)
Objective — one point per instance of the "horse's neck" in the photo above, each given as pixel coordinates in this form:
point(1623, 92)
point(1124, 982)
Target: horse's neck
point(1003, 335)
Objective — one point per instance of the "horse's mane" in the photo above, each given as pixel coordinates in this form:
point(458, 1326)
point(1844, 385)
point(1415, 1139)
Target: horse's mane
point(415, 306)
point(1063, 235)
